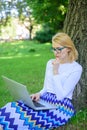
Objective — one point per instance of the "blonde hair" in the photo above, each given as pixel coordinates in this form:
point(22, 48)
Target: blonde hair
point(64, 40)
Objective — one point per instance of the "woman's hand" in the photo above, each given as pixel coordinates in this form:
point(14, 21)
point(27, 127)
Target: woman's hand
point(35, 97)
point(56, 63)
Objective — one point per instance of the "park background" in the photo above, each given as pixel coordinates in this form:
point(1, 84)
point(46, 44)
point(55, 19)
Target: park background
point(26, 29)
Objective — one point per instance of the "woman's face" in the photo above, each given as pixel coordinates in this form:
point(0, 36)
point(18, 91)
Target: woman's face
point(61, 52)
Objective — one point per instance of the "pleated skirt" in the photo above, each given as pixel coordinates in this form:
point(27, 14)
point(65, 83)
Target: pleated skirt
point(18, 116)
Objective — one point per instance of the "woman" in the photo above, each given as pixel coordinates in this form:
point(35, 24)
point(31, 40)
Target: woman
point(62, 75)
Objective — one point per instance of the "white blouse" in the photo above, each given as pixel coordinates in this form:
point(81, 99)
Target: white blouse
point(64, 82)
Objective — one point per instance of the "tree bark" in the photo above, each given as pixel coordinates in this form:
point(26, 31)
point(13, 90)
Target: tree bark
point(75, 25)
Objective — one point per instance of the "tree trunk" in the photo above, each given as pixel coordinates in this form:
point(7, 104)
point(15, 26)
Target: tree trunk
point(75, 26)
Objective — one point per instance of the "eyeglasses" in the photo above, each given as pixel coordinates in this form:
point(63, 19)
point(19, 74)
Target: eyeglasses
point(58, 49)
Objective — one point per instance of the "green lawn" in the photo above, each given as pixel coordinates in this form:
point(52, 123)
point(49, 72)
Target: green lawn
point(25, 62)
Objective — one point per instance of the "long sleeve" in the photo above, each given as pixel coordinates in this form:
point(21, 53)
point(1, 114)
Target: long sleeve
point(64, 82)
point(66, 89)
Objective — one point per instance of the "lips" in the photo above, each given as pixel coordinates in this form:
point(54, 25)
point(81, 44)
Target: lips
point(57, 57)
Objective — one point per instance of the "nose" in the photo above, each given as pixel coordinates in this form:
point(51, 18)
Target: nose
point(56, 52)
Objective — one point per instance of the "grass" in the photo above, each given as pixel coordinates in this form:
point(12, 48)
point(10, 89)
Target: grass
point(25, 62)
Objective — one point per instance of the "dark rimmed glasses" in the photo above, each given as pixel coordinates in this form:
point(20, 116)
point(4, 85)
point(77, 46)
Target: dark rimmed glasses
point(58, 49)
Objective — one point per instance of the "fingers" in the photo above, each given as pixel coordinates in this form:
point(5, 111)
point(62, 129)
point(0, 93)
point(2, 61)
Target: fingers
point(56, 61)
point(35, 97)
point(32, 96)
point(55, 64)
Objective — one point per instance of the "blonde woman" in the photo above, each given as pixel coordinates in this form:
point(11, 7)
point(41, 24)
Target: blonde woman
point(62, 75)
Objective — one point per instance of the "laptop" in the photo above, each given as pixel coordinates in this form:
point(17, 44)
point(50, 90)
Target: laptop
point(20, 92)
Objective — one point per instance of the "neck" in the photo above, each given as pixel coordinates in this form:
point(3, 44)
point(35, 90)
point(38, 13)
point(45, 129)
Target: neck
point(65, 60)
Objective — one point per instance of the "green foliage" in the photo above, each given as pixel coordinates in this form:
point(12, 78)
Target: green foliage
point(50, 12)
point(44, 35)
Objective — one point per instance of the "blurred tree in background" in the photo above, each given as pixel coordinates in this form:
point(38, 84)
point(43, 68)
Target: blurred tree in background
point(15, 9)
point(50, 14)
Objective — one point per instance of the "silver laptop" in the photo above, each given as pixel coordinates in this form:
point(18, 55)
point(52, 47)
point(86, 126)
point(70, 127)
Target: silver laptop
point(20, 92)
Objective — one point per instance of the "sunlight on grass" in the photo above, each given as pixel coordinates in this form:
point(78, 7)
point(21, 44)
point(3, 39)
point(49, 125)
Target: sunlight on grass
point(23, 48)
point(47, 44)
point(37, 55)
point(11, 57)
point(16, 42)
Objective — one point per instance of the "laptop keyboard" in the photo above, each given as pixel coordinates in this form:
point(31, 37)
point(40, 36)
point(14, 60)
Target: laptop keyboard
point(38, 104)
